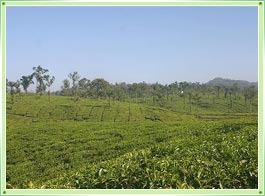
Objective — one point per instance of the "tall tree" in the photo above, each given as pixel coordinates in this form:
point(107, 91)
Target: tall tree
point(235, 89)
point(17, 86)
point(218, 88)
point(110, 93)
point(83, 83)
point(26, 81)
point(7, 86)
point(11, 86)
point(39, 74)
point(83, 87)
point(99, 86)
point(190, 97)
point(197, 99)
point(65, 87)
point(74, 77)
point(49, 81)
point(249, 94)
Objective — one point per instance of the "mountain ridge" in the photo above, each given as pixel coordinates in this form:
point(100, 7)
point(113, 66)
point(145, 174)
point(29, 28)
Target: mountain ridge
point(230, 82)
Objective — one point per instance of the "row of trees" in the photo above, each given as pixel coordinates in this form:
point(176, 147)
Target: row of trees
point(74, 85)
point(42, 78)
point(99, 88)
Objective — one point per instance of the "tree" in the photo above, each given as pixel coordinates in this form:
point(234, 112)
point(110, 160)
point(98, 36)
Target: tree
point(183, 86)
point(74, 77)
point(190, 97)
point(83, 87)
point(17, 86)
point(235, 89)
point(226, 91)
point(218, 88)
point(110, 93)
point(166, 89)
point(249, 94)
point(119, 91)
point(230, 96)
point(7, 87)
point(173, 89)
point(49, 81)
point(26, 81)
point(39, 74)
point(99, 86)
point(11, 85)
point(134, 90)
point(83, 83)
point(65, 87)
point(197, 99)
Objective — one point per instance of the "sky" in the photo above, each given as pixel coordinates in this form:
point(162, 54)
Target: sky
point(134, 44)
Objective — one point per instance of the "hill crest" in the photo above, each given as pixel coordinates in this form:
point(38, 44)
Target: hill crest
point(229, 82)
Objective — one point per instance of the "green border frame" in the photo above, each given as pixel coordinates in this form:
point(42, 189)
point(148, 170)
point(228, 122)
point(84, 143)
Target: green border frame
point(259, 191)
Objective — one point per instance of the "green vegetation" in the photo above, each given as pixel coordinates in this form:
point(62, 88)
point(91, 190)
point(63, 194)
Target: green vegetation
point(94, 143)
point(94, 134)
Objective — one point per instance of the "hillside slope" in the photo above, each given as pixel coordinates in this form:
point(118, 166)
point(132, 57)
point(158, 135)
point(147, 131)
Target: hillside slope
point(63, 143)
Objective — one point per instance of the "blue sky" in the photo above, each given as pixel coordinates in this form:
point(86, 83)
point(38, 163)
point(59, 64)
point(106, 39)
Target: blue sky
point(134, 44)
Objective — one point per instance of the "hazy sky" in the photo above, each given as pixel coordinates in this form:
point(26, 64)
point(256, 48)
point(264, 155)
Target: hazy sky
point(134, 44)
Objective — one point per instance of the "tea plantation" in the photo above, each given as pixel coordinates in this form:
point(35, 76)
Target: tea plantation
point(97, 144)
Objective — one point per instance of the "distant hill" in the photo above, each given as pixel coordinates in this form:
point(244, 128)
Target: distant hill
point(229, 82)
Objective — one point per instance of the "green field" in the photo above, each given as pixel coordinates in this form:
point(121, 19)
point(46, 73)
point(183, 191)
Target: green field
point(98, 143)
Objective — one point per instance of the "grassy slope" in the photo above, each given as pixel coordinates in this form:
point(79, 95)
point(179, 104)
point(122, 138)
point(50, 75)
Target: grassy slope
point(84, 144)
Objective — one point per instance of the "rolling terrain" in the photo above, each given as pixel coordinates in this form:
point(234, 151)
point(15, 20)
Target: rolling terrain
point(63, 142)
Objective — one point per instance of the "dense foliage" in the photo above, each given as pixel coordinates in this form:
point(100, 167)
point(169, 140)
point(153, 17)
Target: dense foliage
point(70, 142)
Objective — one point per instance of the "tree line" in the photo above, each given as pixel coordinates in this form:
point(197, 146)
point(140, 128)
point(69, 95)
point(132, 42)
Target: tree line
point(42, 79)
point(99, 88)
